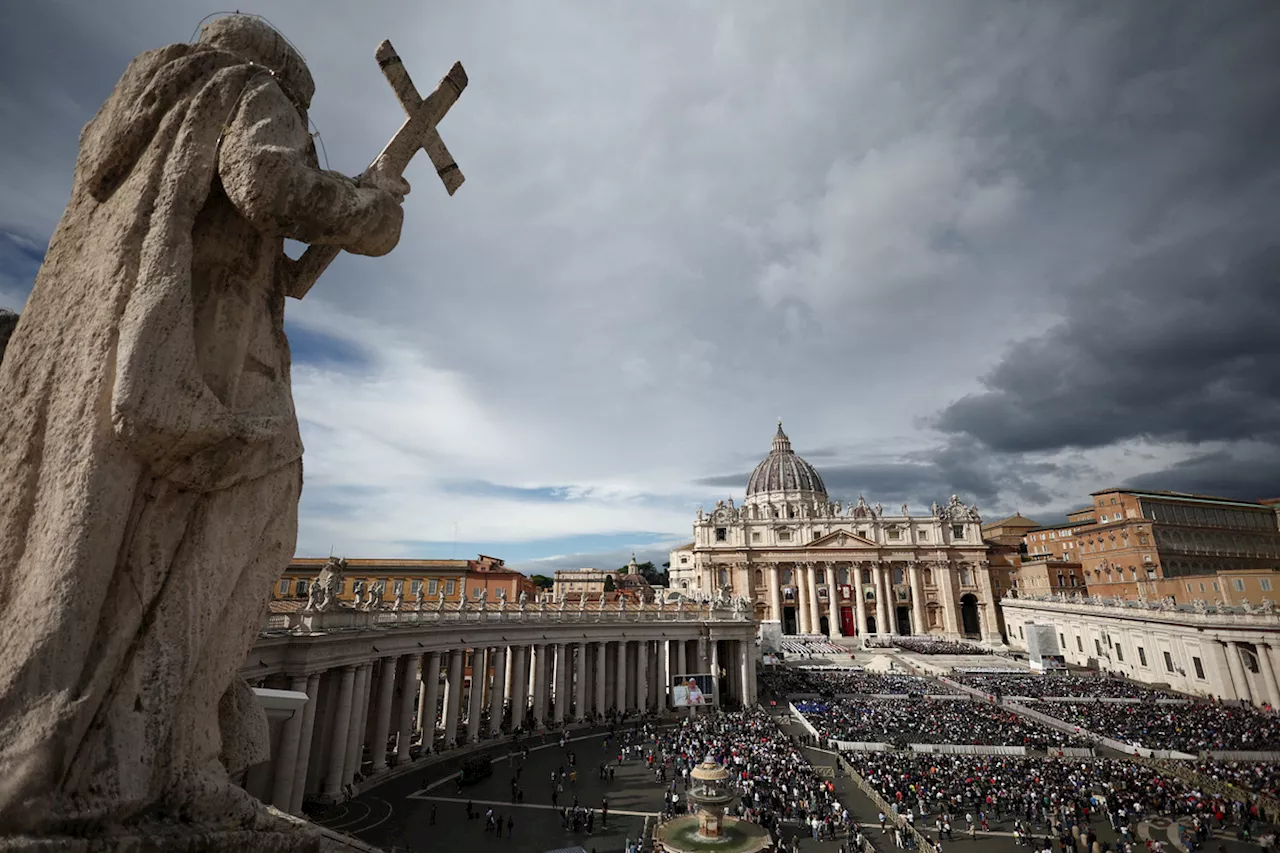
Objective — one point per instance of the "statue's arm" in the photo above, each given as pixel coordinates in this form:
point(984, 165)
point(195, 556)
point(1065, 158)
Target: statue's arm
point(264, 168)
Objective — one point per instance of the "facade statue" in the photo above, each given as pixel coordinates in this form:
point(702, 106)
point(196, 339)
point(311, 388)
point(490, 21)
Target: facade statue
point(440, 601)
point(482, 601)
point(314, 596)
point(602, 597)
point(836, 508)
point(524, 598)
point(331, 582)
point(904, 511)
point(418, 597)
point(1246, 606)
point(1267, 607)
point(151, 459)
point(582, 601)
point(936, 510)
point(877, 510)
point(699, 513)
point(398, 604)
point(1200, 606)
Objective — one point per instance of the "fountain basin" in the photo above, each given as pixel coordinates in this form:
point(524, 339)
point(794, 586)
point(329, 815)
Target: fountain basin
point(681, 835)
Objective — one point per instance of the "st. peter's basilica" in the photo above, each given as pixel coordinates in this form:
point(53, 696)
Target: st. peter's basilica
point(813, 566)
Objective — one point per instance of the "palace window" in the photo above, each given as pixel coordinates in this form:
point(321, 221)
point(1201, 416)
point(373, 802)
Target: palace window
point(450, 587)
point(433, 587)
point(1142, 656)
point(414, 587)
point(957, 531)
point(1119, 653)
point(284, 587)
point(398, 588)
point(1079, 644)
point(784, 535)
point(895, 533)
point(684, 560)
point(1168, 662)
point(1199, 667)
point(924, 536)
point(722, 534)
point(755, 536)
point(1265, 583)
point(759, 577)
point(1238, 583)
point(724, 578)
point(844, 576)
point(300, 589)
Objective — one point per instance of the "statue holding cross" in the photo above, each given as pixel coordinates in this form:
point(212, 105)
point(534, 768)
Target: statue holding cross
point(151, 464)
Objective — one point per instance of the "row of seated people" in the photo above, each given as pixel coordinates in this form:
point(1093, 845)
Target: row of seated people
point(926, 646)
point(901, 722)
point(832, 682)
point(1053, 794)
point(1202, 726)
point(809, 648)
point(1071, 686)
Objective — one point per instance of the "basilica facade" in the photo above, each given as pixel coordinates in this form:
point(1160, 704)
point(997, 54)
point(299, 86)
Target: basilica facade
point(810, 565)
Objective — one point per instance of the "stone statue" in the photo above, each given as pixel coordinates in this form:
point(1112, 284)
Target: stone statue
point(418, 597)
point(440, 602)
point(878, 510)
point(582, 602)
point(563, 602)
point(602, 596)
point(357, 593)
point(662, 602)
point(462, 601)
point(1267, 607)
point(835, 508)
point(376, 593)
point(399, 601)
point(524, 598)
point(331, 582)
point(151, 460)
point(699, 513)
point(314, 593)
point(482, 603)
point(1246, 606)
point(1200, 606)
point(904, 511)
point(936, 510)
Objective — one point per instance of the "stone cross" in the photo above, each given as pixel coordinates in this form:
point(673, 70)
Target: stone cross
point(418, 132)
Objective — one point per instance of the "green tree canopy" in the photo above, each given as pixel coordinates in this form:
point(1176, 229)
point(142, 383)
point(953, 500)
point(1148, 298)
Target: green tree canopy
point(542, 581)
point(608, 584)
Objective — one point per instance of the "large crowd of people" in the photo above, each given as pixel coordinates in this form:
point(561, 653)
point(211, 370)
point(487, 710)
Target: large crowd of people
point(1250, 775)
point(835, 681)
point(1202, 726)
point(931, 646)
point(1036, 797)
point(1072, 686)
point(901, 722)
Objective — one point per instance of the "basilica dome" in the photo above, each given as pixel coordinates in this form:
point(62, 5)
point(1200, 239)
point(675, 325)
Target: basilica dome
point(784, 476)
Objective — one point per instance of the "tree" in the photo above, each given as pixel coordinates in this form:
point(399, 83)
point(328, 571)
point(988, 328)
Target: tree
point(608, 584)
point(542, 581)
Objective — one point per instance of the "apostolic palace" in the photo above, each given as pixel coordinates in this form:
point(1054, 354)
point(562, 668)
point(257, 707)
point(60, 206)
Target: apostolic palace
point(811, 565)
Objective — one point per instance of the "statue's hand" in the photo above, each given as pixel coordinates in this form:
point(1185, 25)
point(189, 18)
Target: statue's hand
point(385, 219)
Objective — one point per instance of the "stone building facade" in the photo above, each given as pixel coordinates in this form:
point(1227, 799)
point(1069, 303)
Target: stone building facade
point(810, 565)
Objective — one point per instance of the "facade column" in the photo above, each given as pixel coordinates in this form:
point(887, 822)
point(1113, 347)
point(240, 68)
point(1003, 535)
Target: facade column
point(833, 604)
point(1239, 680)
point(497, 694)
point(815, 616)
point(663, 675)
point(944, 576)
point(290, 740)
point(475, 710)
point(882, 605)
point(642, 676)
point(1267, 664)
point(713, 647)
point(744, 677)
point(519, 688)
point(859, 600)
point(428, 708)
point(355, 736)
point(563, 679)
point(408, 678)
point(798, 574)
point(453, 699)
point(382, 720)
point(775, 593)
point(539, 678)
point(602, 658)
point(919, 625)
point(341, 727)
point(580, 682)
point(621, 676)
point(681, 664)
point(751, 672)
point(304, 745)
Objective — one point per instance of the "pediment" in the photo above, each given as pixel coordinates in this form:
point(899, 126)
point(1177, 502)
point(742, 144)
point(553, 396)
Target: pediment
point(841, 539)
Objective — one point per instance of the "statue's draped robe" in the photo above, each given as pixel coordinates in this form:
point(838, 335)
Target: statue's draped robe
point(150, 461)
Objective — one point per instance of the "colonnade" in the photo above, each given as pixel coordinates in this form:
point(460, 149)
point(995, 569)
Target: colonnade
point(447, 695)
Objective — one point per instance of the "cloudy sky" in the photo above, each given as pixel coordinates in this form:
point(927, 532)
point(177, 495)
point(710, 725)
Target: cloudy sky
point(1015, 251)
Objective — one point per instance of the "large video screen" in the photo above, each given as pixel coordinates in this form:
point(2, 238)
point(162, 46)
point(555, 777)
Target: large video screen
point(692, 691)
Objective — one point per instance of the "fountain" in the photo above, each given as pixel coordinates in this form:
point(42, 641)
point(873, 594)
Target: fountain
point(709, 829)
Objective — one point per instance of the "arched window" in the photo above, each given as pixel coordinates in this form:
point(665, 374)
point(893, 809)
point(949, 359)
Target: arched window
point(927, 577)
point(724, 578)
point(897, 574)
point(788, 577)
point(759, 577)
point(844, 575)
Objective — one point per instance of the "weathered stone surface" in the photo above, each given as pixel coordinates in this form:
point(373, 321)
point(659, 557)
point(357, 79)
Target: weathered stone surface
point(150, 461)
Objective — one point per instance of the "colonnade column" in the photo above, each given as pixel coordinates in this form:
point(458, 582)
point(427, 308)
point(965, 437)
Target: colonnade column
point(580, 683)
point(519, 689)
point(859, 600)
point(563, 679)
point(1265, 663)
point(833, 605)
point(304, 745)
point(602, 650)
point(359, 714)
point(453, 699)
point(409, 692)
point(714, 649)
point(290, 741)
point(540, 673)
point(428, 707)
point(917, 599)
point(642, 676)
point(621, 676)
point(341, 727)
point(882, 604)
point(479, 673)
point(682, 658)
point(382, 720)
point(496, 695)
point(664, 674)
point(1239, 680)
point(744, 663)
point(775, 593)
